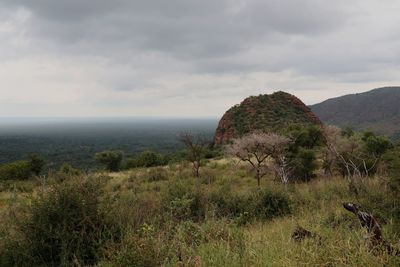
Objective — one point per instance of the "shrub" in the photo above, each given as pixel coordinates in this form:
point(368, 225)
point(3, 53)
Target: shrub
point(182, 202)
point(303, 164)
point(69, 170)
point(147, 159)
point(64, 226)
point(229, 205)
point(392, 161)
point(143, 249)
point(270, 204)
point(261, 204)
point(110, 159)
point(36, 163)
point(18, 170)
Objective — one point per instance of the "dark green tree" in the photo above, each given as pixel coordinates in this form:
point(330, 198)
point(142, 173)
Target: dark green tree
point(347, 131)
point(110, 159)
point(304, 164)
point(37, 164)
point(376, 145)
point(301, 154)
point(391, 160)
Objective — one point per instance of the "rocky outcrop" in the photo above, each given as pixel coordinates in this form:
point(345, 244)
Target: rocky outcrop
point(264, 112)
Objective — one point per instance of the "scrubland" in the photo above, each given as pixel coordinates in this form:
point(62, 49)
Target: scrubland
point(163, 216)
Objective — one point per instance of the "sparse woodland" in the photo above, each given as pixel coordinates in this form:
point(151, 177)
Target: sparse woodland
point(261, 200)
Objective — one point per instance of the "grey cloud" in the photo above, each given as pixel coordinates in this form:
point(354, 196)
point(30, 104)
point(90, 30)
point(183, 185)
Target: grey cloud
point(183, 49)
point(182, 28)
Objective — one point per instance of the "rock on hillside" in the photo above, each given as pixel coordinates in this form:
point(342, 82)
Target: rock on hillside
point(264, 112)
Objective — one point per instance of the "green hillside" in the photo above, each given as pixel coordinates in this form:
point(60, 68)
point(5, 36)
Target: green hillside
point(377, 110)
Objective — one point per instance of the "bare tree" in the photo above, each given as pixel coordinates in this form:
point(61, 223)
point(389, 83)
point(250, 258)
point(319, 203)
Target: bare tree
point(343, 149)
point(360, 153)
point(255, 148)
point(350, 155)
point(195, 146)
point(282, 167)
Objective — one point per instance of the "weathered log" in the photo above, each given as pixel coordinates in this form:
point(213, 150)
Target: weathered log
point(374, 229)
point(368, 221)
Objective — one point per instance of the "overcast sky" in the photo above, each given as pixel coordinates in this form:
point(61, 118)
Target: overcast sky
point(189, 58)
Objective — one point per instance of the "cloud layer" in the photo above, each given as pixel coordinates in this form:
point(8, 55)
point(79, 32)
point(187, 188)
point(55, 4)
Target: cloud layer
point(188, 57)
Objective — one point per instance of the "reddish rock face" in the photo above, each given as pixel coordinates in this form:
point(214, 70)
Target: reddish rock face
point(263, 112)
point(225, 130)
point(307, 111)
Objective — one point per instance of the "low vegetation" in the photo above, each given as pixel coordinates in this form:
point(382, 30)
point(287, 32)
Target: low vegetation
point(22, 169)
point(163, 213)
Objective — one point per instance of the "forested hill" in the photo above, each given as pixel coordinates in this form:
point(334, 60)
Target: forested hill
point(377, 110)
point(263, 112)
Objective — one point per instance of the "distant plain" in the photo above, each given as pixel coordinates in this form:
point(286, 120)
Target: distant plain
point(76, 140)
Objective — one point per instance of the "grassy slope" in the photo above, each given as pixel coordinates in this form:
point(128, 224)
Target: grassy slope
point(316, 205)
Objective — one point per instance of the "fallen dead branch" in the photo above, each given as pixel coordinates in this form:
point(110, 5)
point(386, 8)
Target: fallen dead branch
point(374, 229)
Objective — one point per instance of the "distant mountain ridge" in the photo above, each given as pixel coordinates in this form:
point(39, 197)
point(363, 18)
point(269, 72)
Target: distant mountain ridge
point(377, 110)
point(272, 112)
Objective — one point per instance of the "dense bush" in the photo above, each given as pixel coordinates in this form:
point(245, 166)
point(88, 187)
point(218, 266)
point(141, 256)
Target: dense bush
point(147, 159)
point(392, 162)
point(18, 170)
point(227, 204)
point(142, 249)
point(270, 204)
point(64, 226)
point(69, 170)
point(303, 164)
point(305, 137)
point(110, 159)
point(261, 204)
point(183, 202)
point(36, 163)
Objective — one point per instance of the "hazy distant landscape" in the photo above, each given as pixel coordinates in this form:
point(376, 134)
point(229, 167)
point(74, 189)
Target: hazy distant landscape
point(199, 133)
point(269, 184)
point(75, 141)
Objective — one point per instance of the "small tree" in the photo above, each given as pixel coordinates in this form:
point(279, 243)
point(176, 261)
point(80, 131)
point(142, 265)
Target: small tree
point(303, 164)
point(342, 148)
point(196, 147)
point(301, 155)
point(37, 164)
point(392, 162)
point(356, 155)
point(255, 148)
point(111, 159)
point(375, 148)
